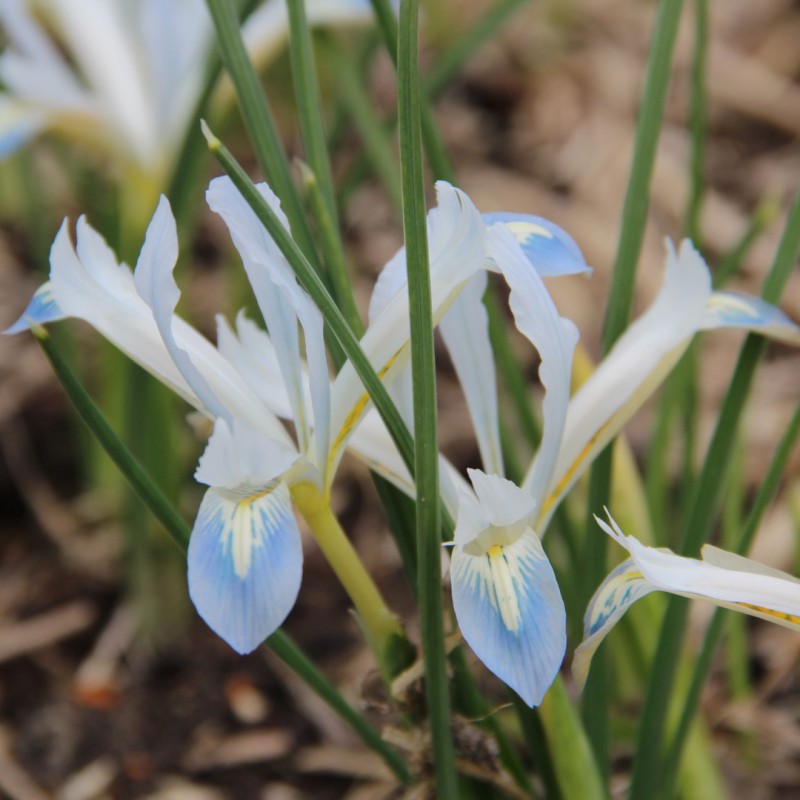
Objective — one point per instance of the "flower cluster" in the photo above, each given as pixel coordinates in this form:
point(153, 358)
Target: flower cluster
point(245, 557)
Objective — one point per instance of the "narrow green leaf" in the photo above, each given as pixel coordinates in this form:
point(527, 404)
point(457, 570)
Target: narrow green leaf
point(259, 121)
point(378, 149)
point(312, 127)
point(128, 465)
point(331, 245)
point(423, 369)
point(461, 51)
point(573, 762)
point(697, 128)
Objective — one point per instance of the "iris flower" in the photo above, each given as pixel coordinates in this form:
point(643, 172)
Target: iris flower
point(720, 577)
point(245, 556)
point(123, 77)
point(505, 594)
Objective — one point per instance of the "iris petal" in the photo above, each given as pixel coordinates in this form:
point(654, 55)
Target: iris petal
point(618, 592)
point(245, 564)
point(734, 310)
point(42, 309)
point(550, 249)
point(511, 614)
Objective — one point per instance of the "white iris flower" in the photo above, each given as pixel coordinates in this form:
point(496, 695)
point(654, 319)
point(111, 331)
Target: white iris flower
point(245, 556)
point(722, 578)
point(123, 76)
point(505, 594)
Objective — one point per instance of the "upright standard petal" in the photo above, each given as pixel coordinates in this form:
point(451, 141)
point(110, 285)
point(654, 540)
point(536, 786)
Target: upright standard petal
point(245, 554)
point(553, 336)
point(722, 578)
point(156, 286)
point(283, 303)
point(549, 248)
point(456, 251)
point(505, 593)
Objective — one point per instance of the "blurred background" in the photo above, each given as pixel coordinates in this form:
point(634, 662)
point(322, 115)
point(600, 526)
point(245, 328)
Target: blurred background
point(109, 689)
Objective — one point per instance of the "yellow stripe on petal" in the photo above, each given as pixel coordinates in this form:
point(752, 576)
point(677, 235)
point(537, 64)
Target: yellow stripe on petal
point(506, 578)
point(522, 230)
point(791, 619)
point(356, 412)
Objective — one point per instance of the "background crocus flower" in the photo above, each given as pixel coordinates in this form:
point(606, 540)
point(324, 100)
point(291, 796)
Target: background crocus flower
point(504, 592)
point(720, 577)
point(122, 77)
point(245, 558)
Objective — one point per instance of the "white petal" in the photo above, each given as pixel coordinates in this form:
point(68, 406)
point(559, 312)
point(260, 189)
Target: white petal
point(90, 284)
point(724, 579)
point(156, 286)
point(242, 457)
point(511, 614)
point(42, 309)
point(283, 303)
point(618, 592)
point(245, 564)
point(465, 330)
point(553, 336)
point(632, 370)
point(549, 248)
point(252, 353)
point(176, 39)
point(100, 41)
point(503, 503)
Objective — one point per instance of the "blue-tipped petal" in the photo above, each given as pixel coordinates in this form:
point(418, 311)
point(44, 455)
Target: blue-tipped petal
point(245, 564)
point(511, 613)
point(41, 310)
point(618, 592)
point(734, 310)
point(550, 249)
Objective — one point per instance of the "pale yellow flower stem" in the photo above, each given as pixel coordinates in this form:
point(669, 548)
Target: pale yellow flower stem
point(380, 625)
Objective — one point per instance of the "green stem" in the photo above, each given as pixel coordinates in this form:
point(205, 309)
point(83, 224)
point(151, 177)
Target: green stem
point(312, 127)
point(381, 626)
point(423, 370)
point(331, 245)
point(259, 122)
point(573, 761)
point(361, 111)
point(461, 51)
point(290, 653)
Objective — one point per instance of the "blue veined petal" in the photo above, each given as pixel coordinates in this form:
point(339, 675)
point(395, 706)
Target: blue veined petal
point(245, 564)
point(41, 310)
point(618, 592)
point(511, 613)
point(550, 249)
point(734, 310)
